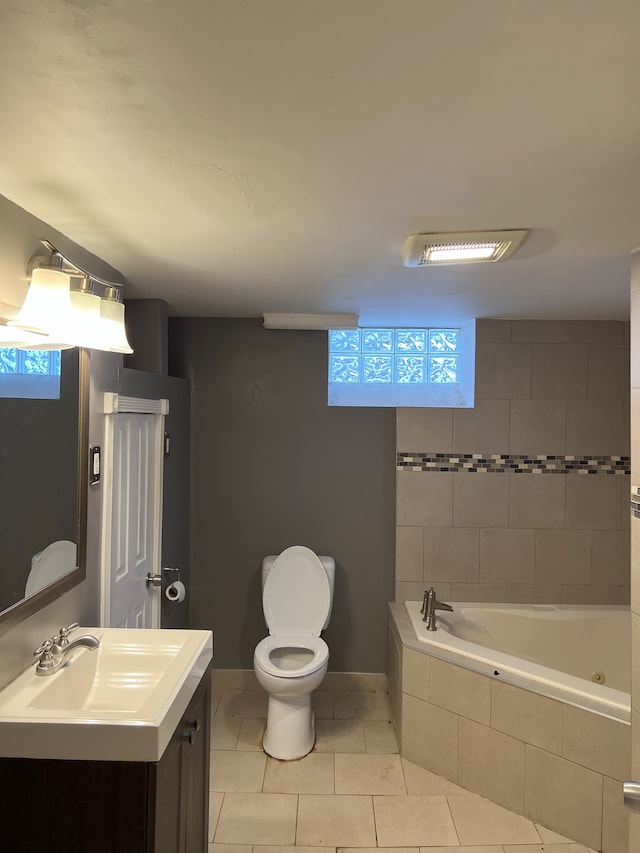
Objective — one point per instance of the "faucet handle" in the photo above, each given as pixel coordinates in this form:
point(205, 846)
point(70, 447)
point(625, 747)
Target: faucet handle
point(44, 649)
point(62, 638)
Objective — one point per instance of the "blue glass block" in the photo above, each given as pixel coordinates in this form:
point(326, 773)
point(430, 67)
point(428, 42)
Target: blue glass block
point(8, 360)
point(443, 370)
point(56, 362)
point(344, 340)
point(411, 340)
point(410, 368)
point(344, 368)
point(444, 340)
point(35, 362)
point(377, 340)
point(377, 368)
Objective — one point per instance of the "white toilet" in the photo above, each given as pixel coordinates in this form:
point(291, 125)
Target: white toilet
point(297, 595)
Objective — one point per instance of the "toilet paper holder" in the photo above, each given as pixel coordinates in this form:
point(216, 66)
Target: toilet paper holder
point(177, 573)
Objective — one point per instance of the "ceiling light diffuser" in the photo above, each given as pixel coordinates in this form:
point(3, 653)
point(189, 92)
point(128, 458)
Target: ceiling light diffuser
point(472, 247)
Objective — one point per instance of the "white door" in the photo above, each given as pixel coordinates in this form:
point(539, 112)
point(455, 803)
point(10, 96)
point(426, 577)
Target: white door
point(133, 515)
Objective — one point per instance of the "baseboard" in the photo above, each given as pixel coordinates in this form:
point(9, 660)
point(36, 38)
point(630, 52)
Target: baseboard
point(338, 682)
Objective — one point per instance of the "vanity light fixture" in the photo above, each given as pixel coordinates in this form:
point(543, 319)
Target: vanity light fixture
point(470, 247)
point(63, 305)
point(311, 321)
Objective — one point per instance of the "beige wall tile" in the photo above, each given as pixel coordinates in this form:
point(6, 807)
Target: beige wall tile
point(424, 498)
point(345, 820)
point(537, 426)
point(409, 553)
point(609, 376)
point(491, 764)
point(430, 737)
point(635, 434)
point(596, 742)
point(564, 796)
point(496, 331)
point(597, 331)
point(421, 781)
point(503, 371)
point(362, 705)
point(537, 500)
point(461, 691)
point(611, 556)
point(559, 372)
point(482, 429)
point(625, 446)
point(635, 349)
point(416, 670)
point(594, 426)
point(593, 502)
point(394, 652)
point(507, 556)
point(423, 430)
point(615, 818)
point(409, 590)
point(480, 500)
point(450, 553)
point(527, 716)
point(512, 593)
point(563, 556)
point(540, 331)
point(592, 594)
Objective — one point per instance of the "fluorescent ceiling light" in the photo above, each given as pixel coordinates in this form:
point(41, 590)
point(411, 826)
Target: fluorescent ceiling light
point(311, 321)
point(478, 247)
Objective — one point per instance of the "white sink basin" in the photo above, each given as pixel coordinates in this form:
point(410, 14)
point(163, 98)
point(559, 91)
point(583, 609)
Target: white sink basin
point(119, 702)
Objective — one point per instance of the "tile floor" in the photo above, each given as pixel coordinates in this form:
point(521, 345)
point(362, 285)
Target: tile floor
point(353, 792)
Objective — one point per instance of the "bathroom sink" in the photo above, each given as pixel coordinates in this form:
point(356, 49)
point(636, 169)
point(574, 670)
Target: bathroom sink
point(121, 701)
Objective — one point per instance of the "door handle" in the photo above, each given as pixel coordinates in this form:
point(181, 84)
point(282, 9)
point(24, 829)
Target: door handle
point(631, 792)
point(153, 580)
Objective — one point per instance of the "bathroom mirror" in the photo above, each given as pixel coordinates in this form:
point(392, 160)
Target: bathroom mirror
point(43, 493)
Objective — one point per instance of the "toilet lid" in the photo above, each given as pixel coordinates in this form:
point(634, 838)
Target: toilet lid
point(296, 595)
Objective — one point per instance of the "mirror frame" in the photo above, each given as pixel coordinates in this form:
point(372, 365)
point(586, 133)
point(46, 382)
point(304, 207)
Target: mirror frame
point(12, 616)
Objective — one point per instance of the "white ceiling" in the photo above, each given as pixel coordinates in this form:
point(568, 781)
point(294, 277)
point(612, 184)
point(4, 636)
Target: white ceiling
point(241, 156)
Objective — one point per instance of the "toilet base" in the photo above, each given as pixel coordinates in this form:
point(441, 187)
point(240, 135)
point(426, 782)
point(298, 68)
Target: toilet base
point(290, 732)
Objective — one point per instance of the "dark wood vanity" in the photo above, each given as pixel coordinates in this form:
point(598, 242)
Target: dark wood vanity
point(54, 806)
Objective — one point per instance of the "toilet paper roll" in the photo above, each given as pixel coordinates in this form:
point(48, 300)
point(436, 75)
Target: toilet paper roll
point(175, 591)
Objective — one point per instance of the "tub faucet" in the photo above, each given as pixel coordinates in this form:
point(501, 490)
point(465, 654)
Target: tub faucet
point(429, 606)
point(53, 653)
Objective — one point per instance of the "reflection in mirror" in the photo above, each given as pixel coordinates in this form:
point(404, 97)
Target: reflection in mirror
point(42, 479)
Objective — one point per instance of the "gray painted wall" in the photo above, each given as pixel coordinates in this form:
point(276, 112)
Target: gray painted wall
point(273, 466)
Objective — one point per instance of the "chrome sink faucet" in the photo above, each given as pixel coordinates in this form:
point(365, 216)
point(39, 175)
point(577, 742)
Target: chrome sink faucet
point(53, 653)
point(429, 606)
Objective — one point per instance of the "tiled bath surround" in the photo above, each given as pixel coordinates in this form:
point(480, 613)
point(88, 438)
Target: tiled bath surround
point(552, 398)
point(551, 762)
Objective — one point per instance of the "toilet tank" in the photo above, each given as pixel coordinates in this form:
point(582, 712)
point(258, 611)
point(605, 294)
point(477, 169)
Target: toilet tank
point(329, 566)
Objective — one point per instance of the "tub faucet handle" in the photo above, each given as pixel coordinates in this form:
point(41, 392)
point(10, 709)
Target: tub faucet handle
point(430, 605)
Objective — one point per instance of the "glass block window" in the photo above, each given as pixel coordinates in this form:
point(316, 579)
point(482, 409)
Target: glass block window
point(33, 374)
point(394, 355)
point(391, 366)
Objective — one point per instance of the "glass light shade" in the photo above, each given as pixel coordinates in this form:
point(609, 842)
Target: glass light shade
point(47, 302)
point(113, 336)
point(10, 337)
point(79, 327)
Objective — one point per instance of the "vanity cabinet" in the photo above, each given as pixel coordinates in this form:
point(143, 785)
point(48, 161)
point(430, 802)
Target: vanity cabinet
point(54, 806)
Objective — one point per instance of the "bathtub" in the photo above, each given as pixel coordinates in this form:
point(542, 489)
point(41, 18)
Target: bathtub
point(579, 655)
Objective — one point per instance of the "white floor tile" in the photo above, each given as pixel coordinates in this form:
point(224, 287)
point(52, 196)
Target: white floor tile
point(339, 736)
point(479, 821)
point(380, 736)
point(257, 819)
point(413, 820)
point(312, 774)
point(369, 774)
point(215, 804)
point(421, 781)
point(237, 771)
point(346, 820)
point(362, 705)
point(251, 734)
point(225, 731)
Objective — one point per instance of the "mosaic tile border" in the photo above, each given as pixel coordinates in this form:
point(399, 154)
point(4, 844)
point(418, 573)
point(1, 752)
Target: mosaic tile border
point(635, 502)
point(509, 463)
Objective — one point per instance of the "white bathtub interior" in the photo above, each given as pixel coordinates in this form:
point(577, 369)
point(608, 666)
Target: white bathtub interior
point(576, 654)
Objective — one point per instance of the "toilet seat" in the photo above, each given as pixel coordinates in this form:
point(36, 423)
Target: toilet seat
point(303, 641)
point(296, 597)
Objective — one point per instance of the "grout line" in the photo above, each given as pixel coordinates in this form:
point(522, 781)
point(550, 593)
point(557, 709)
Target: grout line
point(453, 820)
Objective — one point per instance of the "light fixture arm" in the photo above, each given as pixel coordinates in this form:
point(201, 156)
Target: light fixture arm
point(113, 290)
